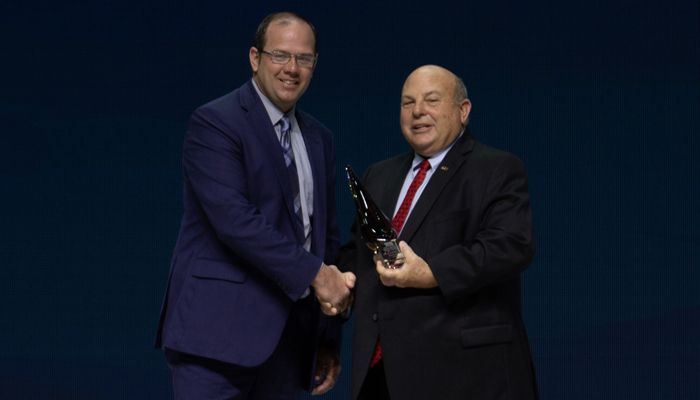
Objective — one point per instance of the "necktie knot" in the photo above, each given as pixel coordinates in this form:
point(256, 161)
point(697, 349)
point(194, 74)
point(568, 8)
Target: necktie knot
point(284, 124)
point(424, 165)
point(285, 131)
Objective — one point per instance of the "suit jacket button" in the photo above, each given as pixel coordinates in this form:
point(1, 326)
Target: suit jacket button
point(375, 317)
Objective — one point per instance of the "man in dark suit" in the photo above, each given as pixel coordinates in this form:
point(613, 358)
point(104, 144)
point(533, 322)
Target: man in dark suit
point(447, 323)
point(241, 316)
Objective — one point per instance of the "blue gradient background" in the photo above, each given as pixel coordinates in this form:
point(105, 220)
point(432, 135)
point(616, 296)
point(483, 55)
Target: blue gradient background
point(600, 99)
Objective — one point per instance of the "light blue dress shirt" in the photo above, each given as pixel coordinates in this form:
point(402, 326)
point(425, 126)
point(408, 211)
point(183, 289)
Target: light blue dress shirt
point(301, 159)
point(417, 159)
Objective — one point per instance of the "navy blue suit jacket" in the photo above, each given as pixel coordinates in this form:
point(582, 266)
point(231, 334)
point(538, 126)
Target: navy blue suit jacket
point(239, 265)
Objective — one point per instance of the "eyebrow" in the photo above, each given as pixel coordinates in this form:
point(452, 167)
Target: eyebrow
point(286, 52)
point(430, 93)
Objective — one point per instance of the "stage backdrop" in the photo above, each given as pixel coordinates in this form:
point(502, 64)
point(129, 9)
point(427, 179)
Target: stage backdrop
point(600, 99)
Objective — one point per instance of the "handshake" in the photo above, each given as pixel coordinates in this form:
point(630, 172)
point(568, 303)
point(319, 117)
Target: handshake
point(332, 289)
point(332, 286)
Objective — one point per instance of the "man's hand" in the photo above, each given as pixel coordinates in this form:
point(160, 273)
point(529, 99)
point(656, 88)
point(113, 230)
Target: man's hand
point(332, 289)
point(414, 273)
point(327, 371)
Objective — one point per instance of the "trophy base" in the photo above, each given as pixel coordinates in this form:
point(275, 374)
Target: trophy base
point(390, 253)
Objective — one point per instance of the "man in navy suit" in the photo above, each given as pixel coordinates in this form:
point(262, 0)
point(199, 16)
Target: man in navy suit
point(252, 268)
point(447, 324)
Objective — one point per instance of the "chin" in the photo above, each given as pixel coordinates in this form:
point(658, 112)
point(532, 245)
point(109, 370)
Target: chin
point(422, 146)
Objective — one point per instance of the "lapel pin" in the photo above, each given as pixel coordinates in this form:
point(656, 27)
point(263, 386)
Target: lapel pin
point(444, 168)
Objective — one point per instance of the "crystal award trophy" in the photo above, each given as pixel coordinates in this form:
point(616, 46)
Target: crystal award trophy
point(375, 227)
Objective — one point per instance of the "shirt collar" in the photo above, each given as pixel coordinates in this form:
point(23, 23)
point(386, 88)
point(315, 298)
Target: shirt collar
point(272, 111)
point(436, 159)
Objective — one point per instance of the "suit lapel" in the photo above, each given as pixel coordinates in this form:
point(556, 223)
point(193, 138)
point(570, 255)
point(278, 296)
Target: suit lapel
point(270, 145)
point(314, 150)
point(393, 184)
point(441, 177)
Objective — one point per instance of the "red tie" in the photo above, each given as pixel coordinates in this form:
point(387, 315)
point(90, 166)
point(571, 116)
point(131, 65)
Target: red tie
point(397, 222)
point(401, 215)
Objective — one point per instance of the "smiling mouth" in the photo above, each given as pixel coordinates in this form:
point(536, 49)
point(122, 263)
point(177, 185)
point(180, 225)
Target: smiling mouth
point(289, 82)
point(420, 127)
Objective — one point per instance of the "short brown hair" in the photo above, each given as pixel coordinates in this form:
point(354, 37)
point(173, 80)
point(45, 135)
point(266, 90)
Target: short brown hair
point(286, 17)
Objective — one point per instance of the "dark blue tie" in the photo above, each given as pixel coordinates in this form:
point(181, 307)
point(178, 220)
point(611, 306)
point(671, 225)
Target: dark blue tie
point(286, 142)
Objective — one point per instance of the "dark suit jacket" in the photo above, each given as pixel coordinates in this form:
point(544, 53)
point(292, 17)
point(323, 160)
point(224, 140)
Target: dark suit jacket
point(464, 339)
point(239, 264)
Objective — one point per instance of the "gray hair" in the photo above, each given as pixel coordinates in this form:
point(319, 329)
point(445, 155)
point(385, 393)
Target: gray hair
point(460, 90)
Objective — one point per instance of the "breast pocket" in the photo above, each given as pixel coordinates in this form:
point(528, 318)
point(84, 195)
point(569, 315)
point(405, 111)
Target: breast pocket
point(486, 335)
point(205, 268)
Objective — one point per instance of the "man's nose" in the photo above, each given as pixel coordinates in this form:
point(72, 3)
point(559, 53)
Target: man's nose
point(291, 66)
point(418, 109)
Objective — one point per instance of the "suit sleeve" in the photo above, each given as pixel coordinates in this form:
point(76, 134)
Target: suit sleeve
point(214, 166)
point(503, 245)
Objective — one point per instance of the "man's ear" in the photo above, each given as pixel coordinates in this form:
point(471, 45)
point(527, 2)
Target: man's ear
point(254, 57)
point(464, 109)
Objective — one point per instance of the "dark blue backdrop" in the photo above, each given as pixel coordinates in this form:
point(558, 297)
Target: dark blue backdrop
point(600, 99)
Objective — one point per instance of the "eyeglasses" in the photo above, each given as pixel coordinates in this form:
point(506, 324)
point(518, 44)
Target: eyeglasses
point(282, 57)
